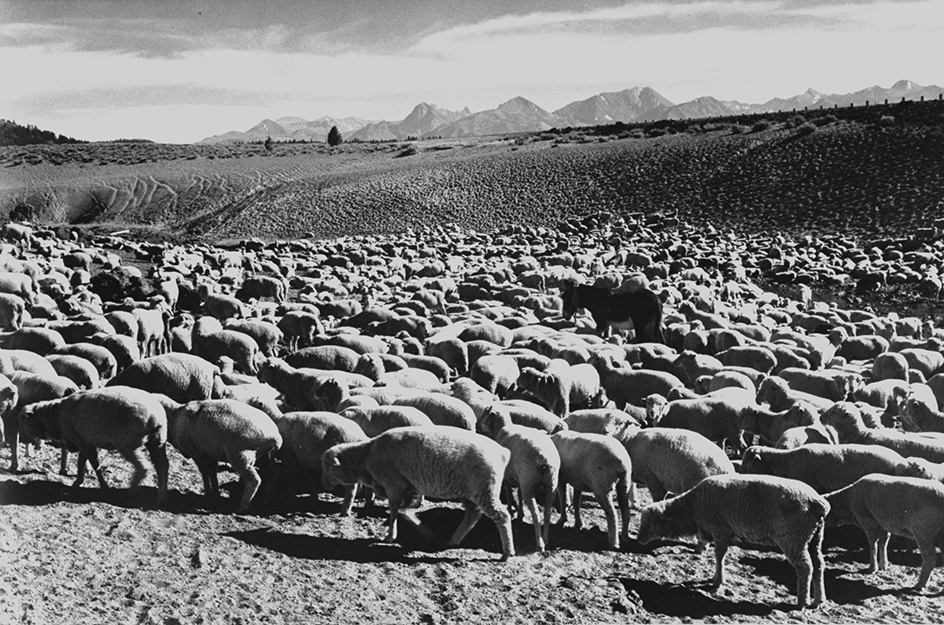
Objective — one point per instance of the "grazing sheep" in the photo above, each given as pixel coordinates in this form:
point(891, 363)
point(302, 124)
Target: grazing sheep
point(452, 350)
point(124, 348)
point(305, 438)
point(441, 462)
point(890, 366)
point(725, 508)
point(927, 361)
point(30, 389)
point(259, 286)
point(411, 377)
point(220, 306)
point(770, 425)
point(753, 356)
point(12, 310)
point(847, 420)
point(433, 364)
point(717, 418)
point(18, 284)
point(609, 421)
point(182, 377)
point(374, 421)
point(333, 357)
point(599, 464)
point(441, 409)
point(777, 394)
point(526, 413)
point(104, 362)
point(495, 373)
point(38, 340)
point(668, 460)
point(266, 335)
point(120, 418)
point(299, 328)
point(211, 431)
point(77, 369)
point(562, 386)
point(918, 416)
point(824, 467)
point(534, 467)
point(152, 330)
point(883, 505)
point(624, 385)
point(828, 384)
point(211, 342)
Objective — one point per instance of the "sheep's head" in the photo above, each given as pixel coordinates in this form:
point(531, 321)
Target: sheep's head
point(340, 466)
point(845, 417)
point(655, 407)
point(569, 299)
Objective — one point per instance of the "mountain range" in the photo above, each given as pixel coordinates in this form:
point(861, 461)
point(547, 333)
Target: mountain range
point(521, 115)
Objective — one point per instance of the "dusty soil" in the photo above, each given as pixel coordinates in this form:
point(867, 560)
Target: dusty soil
point(87, 556)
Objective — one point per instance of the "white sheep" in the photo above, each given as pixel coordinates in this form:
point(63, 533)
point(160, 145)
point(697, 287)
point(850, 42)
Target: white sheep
point(534, 468)
point(76, 368)
point(495, 373)
point(120, 418)
point(824, 467)
point(211, 431)
point(211, 341)
point(717, 417)
point(777, 394)
point(624, 385)
point(32, 388)
point(918, 416)
point(770, 425)
point(597, 463)
point(441, 409)
point(883, 505)
point(763, 510)
point(182, 377)
point(846, 419)
point(829, 384)
point(374, 421)
point(562, 385)
point(669, 460)
point(404, 464)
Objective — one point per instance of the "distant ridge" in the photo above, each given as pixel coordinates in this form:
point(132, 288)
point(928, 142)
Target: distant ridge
point(521, 115)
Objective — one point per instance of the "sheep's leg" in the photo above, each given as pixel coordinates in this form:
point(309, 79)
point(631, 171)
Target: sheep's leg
point(562, 500)
point(502, 520)
point(208, 468)
point(92, 455)
point(548, 509)
point(348, 504)
point(815, 548)
point(928, 560)
point(874, 535)
point(79, 470)
point(624, 496)
point(606, 502)
point(535, 521)
point(721, 551)
point(63, 461)
point(472, 515)
point(158, 454)
point(800, 559)
point(883, 550)
point(244, 464)
point(140, 471)
point(394, 502)
point(11, 433)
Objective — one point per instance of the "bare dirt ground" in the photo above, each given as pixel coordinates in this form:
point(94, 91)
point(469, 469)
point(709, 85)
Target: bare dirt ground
point(87, 556)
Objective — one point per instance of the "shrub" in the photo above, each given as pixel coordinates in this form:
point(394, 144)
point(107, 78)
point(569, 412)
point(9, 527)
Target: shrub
point(825, 119)
point(738, 129)
point(761, 125)
point(806, 129)
point(887, 120)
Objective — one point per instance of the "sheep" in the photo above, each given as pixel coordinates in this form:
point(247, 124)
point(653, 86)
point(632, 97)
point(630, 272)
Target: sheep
point(18, 284)
point(495, 373)
point(846, 418)
point(777, 394)
point(120, 418)
point(435, 461)
point(562, 386)
point(433, 364)
point(411, 377)
point(724, 508)
point(38, 340)
point(632, 386)
point(305, 438)
point(715, 417)
point(883, 505)
point(604, 421)
point(104, 362)
point(266, 335)
point(441, 409)
point(12, 311)
point(918, 416)
point(211, 342)
point(325, 357)
point(152, 330)
point(299, 328)
point(599, 464)
point(124, 348)
point(927, 361)
point(770, 425)
point(824, 467)
point(669, 460)
point(210, 431)
point(182, 377)
point(123, 322)
point(76, 368)
point(754, 356)
point(828, 384)
point(890, 366)
point(452, 350)
point(374, 421)
point(259, 286)
point(32, 388)
point(220, 306)
point(534, 467)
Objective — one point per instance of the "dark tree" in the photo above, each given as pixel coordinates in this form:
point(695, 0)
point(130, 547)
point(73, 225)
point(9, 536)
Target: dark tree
point(268, 143)
point(334, 136)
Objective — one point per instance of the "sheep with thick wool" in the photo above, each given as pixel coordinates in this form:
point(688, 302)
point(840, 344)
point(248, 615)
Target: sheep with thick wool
point(30, 389)
point(600, 464)
point(211, 431)
point(824, 467)
point(776, 393)
point(211, 341)
point(118, 418)
point(829, 384)
point(441, 409)
point(534, 468)
point(562, 385)
point(670, 460)
point(759, 509)
point(182, 377)
point(408, 463)
point(847, 419)
point(918, 416)
point(770, 425)
point(625, 385)
point(883, 505)
point(716, 417)
point(495, 373)
point(266, 335)
point(374, 421)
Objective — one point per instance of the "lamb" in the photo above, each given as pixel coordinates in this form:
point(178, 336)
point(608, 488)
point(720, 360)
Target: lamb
point(152, 330)
point(119, 418)
point(883, 505)
point(669, 460)
point(182, 377)
point(890, 366)
point(599, 464)
point(435, 365)
point(441, 409)
point(846, 418)
point(632, 386)
point(299, 387)
point(411, 377)
point(123, 348)
point(754, 356)
point(824, 467)
point(211, 341)
point(435, 461)
point(724, 508)
point(374, 421)
point(211, 431)
point(927, 361)
point(305, 438)
point(534, 467)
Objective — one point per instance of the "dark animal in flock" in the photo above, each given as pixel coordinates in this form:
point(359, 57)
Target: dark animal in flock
point(641, 310)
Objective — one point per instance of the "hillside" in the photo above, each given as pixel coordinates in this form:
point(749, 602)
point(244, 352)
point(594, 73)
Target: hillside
point(12, 133)
point(874, 171)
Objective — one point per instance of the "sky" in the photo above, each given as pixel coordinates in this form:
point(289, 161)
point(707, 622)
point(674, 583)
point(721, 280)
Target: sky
point(177, 71)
